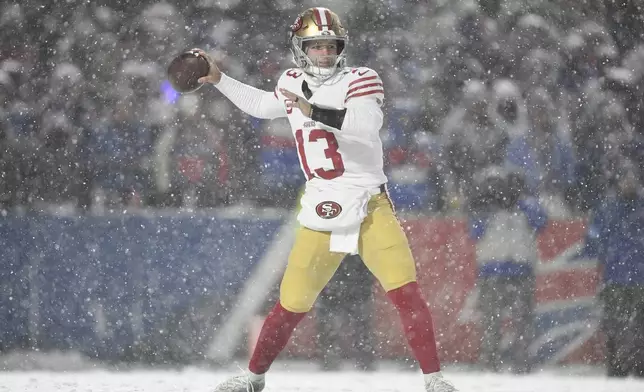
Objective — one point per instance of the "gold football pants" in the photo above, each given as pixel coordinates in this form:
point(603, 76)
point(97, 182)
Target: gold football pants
point(382, 245)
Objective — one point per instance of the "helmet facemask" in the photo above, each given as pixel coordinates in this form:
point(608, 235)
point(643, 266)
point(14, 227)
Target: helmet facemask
point(318, 25)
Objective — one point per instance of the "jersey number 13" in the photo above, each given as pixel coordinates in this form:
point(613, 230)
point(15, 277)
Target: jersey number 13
point(331, 152)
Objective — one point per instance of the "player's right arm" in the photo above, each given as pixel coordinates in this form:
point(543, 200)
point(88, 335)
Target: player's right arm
point(255, 102)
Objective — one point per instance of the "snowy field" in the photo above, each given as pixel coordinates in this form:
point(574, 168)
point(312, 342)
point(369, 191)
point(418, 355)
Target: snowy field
point(303, 381)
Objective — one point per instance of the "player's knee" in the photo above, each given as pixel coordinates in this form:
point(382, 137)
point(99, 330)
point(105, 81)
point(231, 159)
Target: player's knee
point(401, 284)
point(392, 267)
point(298, 304)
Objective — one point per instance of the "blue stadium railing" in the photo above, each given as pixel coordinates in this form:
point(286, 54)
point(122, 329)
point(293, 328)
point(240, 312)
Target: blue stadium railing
point(107, 286)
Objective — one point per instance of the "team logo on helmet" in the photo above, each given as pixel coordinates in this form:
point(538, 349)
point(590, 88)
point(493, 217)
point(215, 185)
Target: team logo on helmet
point(328, 209)
point(297, 24)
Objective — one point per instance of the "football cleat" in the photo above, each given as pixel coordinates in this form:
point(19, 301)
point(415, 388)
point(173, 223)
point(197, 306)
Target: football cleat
point(436, 383)
point(241, 383)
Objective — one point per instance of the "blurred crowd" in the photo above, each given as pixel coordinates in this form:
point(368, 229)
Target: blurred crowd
point(511, 111)
point(546, 89)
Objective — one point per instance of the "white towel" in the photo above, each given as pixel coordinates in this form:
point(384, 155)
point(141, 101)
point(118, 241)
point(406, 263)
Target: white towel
point(345, 240)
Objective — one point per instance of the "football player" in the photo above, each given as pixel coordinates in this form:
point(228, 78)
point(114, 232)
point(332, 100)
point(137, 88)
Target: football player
point(335, 115)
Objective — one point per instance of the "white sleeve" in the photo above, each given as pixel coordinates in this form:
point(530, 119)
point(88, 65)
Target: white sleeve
point(255, 102)
point(363, 102)
point(365, 118)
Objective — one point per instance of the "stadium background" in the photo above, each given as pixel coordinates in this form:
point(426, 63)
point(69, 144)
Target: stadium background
point(159, 289)
point(132, 217)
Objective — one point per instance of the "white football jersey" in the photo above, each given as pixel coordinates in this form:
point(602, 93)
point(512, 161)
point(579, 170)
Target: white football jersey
point(349, 157)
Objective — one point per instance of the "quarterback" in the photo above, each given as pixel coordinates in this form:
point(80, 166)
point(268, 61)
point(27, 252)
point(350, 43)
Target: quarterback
point(335, 115)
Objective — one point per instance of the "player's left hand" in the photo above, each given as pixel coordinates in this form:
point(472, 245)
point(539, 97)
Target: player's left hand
point(295, 101)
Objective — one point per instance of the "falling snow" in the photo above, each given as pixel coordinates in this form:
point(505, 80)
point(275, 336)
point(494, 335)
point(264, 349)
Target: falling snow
point(139, 225)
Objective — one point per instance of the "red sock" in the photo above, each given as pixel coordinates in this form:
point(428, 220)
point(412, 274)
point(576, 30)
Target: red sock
point(417, 324)
point(276, 331)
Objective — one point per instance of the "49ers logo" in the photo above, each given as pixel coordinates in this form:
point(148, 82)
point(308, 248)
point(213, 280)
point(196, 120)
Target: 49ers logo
point(328, 209)
point(297, 24)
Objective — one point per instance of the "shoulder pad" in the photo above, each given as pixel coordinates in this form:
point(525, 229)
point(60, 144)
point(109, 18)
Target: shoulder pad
point(365, 82)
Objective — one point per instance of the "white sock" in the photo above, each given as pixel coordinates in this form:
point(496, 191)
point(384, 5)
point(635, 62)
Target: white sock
point(256, 377)
point(430, 376)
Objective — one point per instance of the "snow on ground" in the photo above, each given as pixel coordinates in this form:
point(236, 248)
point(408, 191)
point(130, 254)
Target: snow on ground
point(303, 381)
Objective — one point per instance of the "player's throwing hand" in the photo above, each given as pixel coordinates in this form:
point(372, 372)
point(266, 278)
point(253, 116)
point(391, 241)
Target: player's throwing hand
point(215, 74)
point(297, 102)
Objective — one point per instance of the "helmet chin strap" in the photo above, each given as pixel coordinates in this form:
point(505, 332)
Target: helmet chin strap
point(316, 80)
point(318, 75)
point(322, 74)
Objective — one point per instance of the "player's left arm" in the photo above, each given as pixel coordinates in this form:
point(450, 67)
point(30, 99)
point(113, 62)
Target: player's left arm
point(363, 104)
point(362, 111)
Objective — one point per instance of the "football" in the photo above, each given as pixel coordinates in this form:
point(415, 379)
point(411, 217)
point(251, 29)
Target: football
point(185, 69)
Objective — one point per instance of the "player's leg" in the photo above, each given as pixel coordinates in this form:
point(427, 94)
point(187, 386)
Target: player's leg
point(638, 326)
point(520, 301)
point(614, 323)
point(489, 304)
point(385, 251)
point(309, 269)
